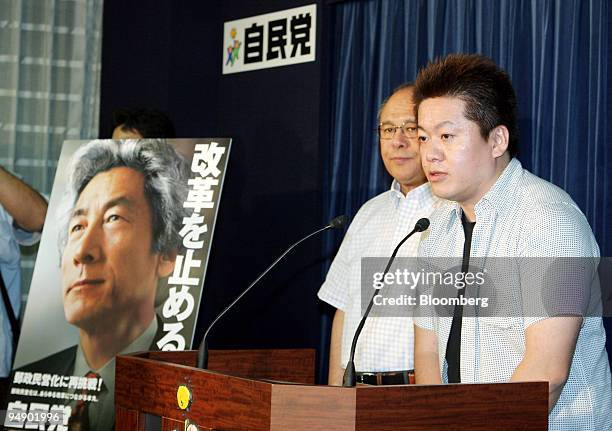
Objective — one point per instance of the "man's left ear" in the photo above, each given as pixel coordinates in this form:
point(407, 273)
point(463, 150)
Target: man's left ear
point(165, 264)
point(499, 138)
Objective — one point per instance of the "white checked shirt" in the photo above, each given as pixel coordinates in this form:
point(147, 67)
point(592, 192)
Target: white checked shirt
point(386, 343)
point(523, 216)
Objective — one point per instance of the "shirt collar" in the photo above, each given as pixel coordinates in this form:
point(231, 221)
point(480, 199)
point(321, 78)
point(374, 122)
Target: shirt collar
point(107, 371)
point(501, 196)
point(421, 194)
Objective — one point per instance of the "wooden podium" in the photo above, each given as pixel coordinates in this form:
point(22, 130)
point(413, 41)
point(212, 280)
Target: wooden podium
point(250, 390)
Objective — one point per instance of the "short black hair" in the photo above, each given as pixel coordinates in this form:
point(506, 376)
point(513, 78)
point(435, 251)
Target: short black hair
point(150, 123)
point(484, 87)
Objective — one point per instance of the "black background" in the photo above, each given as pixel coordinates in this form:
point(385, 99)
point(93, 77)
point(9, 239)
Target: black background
point(168, 55)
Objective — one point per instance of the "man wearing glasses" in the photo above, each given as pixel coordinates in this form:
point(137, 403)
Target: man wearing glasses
point(384, 354)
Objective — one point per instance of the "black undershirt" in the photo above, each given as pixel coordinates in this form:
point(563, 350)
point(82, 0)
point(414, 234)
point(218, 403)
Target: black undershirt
point(453, 348)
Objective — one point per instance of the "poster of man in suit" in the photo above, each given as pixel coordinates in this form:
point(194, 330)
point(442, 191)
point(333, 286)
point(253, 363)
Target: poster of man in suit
point(120, 269)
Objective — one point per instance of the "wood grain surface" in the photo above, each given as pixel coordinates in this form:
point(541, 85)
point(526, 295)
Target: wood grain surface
point(224, 400)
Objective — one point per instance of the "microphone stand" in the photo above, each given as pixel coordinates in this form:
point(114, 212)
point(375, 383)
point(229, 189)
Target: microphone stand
point(203, 350)
point(349, 379)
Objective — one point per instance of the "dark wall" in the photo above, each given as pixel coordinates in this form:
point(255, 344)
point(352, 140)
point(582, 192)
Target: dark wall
point(167, 55)
point(162, 54)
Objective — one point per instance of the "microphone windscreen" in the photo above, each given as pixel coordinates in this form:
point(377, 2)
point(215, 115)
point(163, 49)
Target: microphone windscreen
point(421, 225)
point(339, 221)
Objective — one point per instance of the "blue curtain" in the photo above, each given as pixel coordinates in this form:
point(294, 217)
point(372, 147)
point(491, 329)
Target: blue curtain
point(556, 52)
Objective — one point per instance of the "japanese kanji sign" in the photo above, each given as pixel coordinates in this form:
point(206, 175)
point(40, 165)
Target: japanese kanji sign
point(270, 40)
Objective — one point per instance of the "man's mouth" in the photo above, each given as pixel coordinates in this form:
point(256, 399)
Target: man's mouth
point(401, 159)
point(434, 176)
point(85, 282)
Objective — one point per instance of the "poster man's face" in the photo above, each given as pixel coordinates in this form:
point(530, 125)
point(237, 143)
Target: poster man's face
point(109, 272)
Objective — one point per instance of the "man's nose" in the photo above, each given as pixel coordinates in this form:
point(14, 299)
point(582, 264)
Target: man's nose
point(432, 151)
point(399, 139)
point(88, 248)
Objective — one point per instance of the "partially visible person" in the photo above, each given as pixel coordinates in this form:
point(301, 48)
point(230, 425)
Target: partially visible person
point(468, 138)
point(22, 215)
point(142, 123)
point(384, 352)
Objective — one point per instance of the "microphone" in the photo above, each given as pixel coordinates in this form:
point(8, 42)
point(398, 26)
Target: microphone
point(335, 223)
point(350, 379)
point(338, 222)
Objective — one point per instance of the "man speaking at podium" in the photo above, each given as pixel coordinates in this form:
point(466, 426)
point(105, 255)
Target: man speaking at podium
point(384, 352)
point(499, 211)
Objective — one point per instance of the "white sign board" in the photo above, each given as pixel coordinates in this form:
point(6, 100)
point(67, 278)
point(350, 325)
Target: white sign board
point(270, 40)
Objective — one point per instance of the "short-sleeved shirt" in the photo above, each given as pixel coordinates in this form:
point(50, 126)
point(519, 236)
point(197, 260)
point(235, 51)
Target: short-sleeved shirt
point(386, 343)
point(523, 216)
point(10, 256)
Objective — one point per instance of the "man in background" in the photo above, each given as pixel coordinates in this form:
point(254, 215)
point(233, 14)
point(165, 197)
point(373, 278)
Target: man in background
point(384, 354)
point(142, 123)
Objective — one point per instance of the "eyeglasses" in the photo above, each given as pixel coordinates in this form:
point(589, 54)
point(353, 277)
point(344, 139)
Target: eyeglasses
point(387, 131)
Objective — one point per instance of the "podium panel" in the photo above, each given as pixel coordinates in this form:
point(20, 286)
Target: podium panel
point(273, 390)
